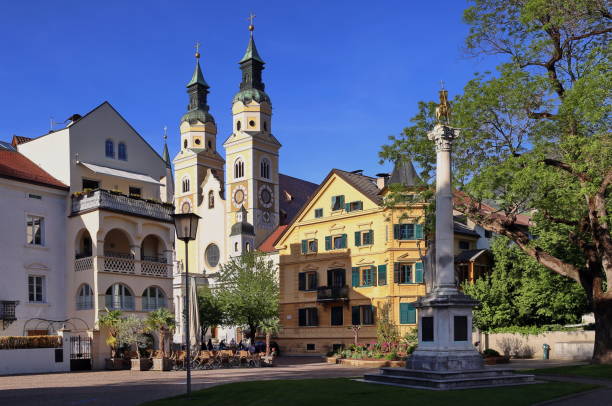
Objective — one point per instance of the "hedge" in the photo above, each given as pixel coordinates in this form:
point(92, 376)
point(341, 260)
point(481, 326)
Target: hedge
point(22, 342)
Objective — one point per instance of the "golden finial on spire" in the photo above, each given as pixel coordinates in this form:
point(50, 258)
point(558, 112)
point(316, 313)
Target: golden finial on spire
point(197, 48)
point(251, 26)
point(443, 111)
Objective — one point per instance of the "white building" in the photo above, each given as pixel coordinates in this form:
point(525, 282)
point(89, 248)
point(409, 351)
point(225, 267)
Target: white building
point(118, 231)
point(33, 247)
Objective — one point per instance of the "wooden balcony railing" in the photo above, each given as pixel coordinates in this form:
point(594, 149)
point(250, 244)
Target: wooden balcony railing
point(332, 294)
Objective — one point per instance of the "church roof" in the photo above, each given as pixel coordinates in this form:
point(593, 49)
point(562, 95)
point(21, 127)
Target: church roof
point(294, 193)
point(251, 52)
point(198, 77)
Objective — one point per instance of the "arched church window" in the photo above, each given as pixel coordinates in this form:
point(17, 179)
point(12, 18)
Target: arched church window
point(236, 247)
point(109, 148)
point(238, 168)
point(211, 200)
point(265, 126)
point(185, 144)
point(238, 125)
point(265, 168)
point(247, 247)
point(185, 185)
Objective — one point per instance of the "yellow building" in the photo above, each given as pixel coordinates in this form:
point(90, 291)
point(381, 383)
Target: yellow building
point(345, 255)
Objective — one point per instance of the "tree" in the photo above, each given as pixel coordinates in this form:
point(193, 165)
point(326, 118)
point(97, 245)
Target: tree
point(536, 139)
point(131, 331)
point(210, 309)
point(520, 292)
point(111, 320)
point(162, 321)
point(248, 289)
point(270, 327)
point(386, 329)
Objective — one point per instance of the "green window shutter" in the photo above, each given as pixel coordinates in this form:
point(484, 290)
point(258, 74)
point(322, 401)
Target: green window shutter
point(328, 243)
point(347, 207)
point(356, 315)
point(382, 275)
point(315, 316)
point(396, 231)
point(302, 317)
point(355, 277)
point(418, 231)
point(371, 232)
point(407, 313)
point(344, 240)
point(333, 202)
point(304, 246)
point(360, 205)
point(396, 273)
point(418, 274)
point(410, 232)
point(341, 197)
point(357, 238)
point(374, 275)
point(301, 281)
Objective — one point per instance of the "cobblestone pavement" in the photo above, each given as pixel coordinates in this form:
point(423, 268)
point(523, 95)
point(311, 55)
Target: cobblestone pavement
point(128, 388)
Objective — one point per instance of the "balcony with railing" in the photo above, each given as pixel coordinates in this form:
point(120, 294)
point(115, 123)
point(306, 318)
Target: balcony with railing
point(332, 294)
point(103, 199)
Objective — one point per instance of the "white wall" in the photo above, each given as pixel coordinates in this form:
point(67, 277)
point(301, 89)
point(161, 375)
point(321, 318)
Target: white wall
point(20, 260)
point(51, 152)
point(34, 360)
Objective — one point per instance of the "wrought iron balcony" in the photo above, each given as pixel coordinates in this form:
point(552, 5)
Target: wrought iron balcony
point(7, 312)
point(332, 294)
point(103, 199)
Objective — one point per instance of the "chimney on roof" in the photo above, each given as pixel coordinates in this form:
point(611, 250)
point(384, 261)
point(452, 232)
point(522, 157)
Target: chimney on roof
point(381, 180)
point(73, 119)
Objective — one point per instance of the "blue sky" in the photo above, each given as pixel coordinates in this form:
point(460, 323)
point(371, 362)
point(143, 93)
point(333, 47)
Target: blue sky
point(342, 75)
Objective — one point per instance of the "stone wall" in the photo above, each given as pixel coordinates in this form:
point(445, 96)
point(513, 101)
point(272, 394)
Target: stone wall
point(573, 345)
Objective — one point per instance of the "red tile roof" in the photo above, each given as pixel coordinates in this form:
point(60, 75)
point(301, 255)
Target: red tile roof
point(461, 198)
point(20, 140)
point(15, 166)
point(268, 244)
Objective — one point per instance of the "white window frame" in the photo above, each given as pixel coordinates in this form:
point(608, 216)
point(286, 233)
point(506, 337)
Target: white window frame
point(42, 287)
point(157, 301)
point(185, 180)
point(85, 302)
point(239, 168)
point(265, 167)
point(42, 230)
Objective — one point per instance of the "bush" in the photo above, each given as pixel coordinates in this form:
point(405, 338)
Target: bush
point(489, 352)
point(22, 342)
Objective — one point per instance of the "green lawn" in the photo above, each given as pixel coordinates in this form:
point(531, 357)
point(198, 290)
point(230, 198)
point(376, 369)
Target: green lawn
point(587, 371)
point(343, 391)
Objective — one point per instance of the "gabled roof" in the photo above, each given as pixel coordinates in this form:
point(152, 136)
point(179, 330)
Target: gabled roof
point(294, 193)
point(268, 244)
point(20, 140)
point(459, 228)
point(468, 256)
point(15, 166)
point(364, 184)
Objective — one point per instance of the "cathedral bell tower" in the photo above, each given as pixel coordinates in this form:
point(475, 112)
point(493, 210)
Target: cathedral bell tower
point(197, 157)
point(251, 151)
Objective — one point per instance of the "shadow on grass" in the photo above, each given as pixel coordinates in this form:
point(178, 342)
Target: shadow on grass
point(346, 392)
point(596, 371)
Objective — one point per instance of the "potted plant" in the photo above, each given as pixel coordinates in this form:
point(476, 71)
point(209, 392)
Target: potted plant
point(112, 320)
point(161, 321)
point(132, 333)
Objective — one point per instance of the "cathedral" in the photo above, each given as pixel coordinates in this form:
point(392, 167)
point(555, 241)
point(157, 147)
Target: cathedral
point(241, 203)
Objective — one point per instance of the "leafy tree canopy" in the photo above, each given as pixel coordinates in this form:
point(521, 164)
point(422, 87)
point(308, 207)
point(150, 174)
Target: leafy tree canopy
point(210, 308)
point(535, 138)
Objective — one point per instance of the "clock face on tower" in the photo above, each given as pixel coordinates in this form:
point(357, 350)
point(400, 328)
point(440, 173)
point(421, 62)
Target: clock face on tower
point(185, 207)
point(240, 195)
point(265, 196)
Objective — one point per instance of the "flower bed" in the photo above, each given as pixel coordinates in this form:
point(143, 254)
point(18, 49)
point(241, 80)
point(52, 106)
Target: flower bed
point(26, 342)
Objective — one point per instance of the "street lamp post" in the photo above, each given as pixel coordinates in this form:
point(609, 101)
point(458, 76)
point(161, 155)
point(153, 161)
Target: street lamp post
point(186, 226)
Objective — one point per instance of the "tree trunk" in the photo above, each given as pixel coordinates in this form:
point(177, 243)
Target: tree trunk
point(267, 344)
point(252, 333)
point(602, 353)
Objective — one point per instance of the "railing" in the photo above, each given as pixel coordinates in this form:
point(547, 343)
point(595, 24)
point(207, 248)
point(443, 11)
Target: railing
point(152, 258)
point(83, 264)
point(119, 265)
point(154, 268)
point(119, 302)
point(150, 304)
point(84, 302)
point(328, 294)
point(7, 310)
point(103, 199)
